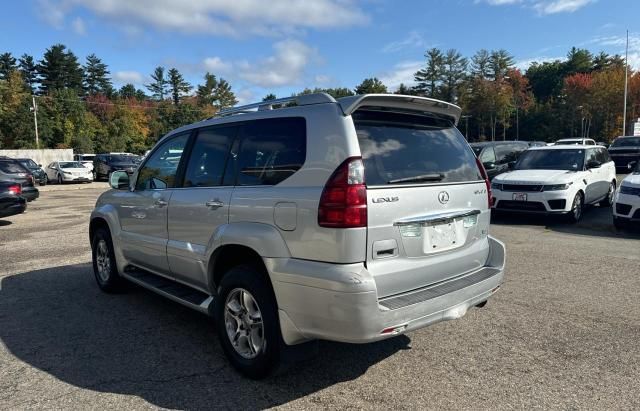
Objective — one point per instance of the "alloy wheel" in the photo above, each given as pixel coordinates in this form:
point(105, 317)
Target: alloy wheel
point(243, 322)
point(103, 260)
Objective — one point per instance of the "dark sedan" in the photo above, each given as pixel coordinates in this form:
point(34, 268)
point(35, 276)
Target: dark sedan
point(625, 150)
point(12, 171)
point(36, 170)
point(11, 201)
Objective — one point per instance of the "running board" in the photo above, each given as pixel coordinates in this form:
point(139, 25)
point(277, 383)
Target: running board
point(180, 293)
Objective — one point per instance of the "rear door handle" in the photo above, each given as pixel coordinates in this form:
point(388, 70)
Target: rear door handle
point(214, 204)
point(161, 203)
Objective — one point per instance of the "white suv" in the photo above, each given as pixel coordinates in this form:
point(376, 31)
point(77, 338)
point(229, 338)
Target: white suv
point(557, 180)
point(626, 204)
point(352, 220)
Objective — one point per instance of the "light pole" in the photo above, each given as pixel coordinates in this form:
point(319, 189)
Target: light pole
point(34, 108)
point(466, 127)
point(626, 78)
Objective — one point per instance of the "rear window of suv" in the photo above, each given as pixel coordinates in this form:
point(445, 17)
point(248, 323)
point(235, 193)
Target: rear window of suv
point(405, 148)
point(11, 167)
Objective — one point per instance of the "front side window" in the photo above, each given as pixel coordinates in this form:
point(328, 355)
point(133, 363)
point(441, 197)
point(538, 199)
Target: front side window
point(271, 150)
point(488, 156)
point(209, 156)
point(159, 172)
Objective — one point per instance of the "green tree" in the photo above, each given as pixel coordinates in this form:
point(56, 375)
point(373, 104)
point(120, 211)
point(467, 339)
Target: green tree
point(500, 61)
point(29, 71)
point(578, 61)
point(16, 121)
point(205, 93)
point(430, 77)
point(371, 86)
point(59, 69)
point(338, 92)
point(96, 76)
point(269, 97)
point(453, 73)
point(480, 64)
point(7, 65)
point(127, 91)
point(177, 85)
point(224, 96)
point(159, 86)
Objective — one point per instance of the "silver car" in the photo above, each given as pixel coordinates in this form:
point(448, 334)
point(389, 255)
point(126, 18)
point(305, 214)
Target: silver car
point(306, 218)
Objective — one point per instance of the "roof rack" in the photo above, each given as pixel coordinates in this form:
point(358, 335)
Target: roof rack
point(302, 100)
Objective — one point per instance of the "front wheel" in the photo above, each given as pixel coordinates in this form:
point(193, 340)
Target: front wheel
point(104, 262)
point(576, 209)
point(247, 322)
point(608, 200)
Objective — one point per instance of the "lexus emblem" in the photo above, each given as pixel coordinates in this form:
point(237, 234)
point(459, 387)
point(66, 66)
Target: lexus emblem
point(443, 197)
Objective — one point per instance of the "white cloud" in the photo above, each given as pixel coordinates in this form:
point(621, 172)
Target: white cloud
point(52, 13)
point(78, 26)
point(125, 77)
point(322, 79)
point(245, 96)
point(221, 17)
point(402, 72)
point(617, 44)
point(412, 40)
point(217, 65)
point(543, 6)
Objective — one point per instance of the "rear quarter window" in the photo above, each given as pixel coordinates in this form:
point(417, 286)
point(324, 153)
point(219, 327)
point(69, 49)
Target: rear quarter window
point(401, 146)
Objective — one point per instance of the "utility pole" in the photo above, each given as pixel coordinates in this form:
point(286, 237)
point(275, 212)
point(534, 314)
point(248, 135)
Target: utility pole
point(626, 78)
point(34, 108)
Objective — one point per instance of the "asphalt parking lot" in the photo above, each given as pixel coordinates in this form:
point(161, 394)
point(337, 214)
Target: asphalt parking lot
point(562, 332)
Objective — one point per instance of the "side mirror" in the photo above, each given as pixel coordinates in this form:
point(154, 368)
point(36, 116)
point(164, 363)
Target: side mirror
point(119, 180)
point(40, 165)
point(593, 164)
point(489, 165)
point(632, 165)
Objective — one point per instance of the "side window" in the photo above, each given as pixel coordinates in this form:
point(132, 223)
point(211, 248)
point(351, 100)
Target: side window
point(488, 155)
point(271, 150)
point(503, 153)
point(605, 155)
point(590, 155)
point(602, 156)
point(159, 172)
point(209, 156)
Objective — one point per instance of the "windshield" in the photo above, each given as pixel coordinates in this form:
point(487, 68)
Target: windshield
point(29, 163)
point(400, 148)
point(86, 157)
point(477, 150)
point(571, 160)
point(70, 164)
point(124, 158)
point(626, 142)
point(11, 167)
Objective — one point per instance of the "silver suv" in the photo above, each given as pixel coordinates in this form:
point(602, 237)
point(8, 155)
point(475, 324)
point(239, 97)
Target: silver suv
point(307, 218)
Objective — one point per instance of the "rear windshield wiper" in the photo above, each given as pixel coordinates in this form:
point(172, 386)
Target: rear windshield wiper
point(414, 179)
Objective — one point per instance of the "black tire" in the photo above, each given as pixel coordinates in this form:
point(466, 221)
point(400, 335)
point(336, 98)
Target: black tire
point(105, 271)
point(577, 208)
point(267, 357)
point(608, 200)
point(44, 181)
point(60, 181)
point(618, 224)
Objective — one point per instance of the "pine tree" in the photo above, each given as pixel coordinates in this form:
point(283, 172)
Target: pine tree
point(454, 72)
point(403, 89)
point(96, 79)
point(29, 71)
point(205, 92)
point(224, 96)
point(430, 77)
point(480, 64)
point(371, 86)
point(127, 91)
point(179, 87)
point(160, 85)
point(59, 69)
point(499, 62)
point(7, 65)
point(269, 97)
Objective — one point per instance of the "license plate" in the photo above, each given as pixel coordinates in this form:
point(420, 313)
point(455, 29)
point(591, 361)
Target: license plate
point(441, 237)
point(519, 196)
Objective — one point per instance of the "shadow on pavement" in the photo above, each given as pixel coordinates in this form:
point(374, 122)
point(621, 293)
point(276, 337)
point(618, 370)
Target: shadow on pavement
point(596, 222)
point(137, 343)
point(5, 222)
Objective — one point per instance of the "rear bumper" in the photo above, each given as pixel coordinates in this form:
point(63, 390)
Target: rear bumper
point(340, 302)
point(12, 208)
point(30, 193)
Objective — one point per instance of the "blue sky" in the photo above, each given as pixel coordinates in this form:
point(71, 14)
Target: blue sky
point(282, 46)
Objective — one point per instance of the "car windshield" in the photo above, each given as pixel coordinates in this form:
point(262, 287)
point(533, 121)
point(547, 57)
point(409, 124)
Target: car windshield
point(572, 160)
point(626, 142)
point(70, 164)
point(29, 163)
point(477, 149)
point(124, 158)
point(86, 157)
point(11, 167)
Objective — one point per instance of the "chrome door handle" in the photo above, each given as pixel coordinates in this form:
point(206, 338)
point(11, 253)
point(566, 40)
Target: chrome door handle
point(214, 204)
point(161, 203)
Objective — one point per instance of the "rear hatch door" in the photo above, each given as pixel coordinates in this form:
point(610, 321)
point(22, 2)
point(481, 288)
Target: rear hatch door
point(428, 213)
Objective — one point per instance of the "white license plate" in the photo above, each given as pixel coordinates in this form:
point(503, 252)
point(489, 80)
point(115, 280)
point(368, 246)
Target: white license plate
point(441, 237)
point(519, 196)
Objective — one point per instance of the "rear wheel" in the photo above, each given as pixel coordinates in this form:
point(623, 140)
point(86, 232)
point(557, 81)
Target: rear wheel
point(577, 208)
point(104, 262)
point(609, 199)
point(247, 322)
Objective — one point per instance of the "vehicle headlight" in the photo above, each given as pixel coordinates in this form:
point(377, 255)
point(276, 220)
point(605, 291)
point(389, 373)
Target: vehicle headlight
point(625, 189)
point(496, 186)
point(67, 172)
point(555, 187)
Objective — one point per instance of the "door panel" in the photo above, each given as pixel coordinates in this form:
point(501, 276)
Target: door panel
point(200, 206)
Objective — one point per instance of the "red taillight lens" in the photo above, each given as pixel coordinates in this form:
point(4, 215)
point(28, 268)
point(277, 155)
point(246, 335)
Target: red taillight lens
point(485, 176)
point(343, 203)
point(15, 190)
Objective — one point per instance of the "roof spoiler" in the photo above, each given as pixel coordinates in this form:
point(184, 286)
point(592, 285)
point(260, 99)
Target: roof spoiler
point(429, 105)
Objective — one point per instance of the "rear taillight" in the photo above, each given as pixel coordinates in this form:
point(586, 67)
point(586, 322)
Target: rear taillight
point(485, 176)
point(15, 189)
point(343, 203)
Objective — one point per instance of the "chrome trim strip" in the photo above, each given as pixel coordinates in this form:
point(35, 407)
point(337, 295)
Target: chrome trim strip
point(437, 218)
